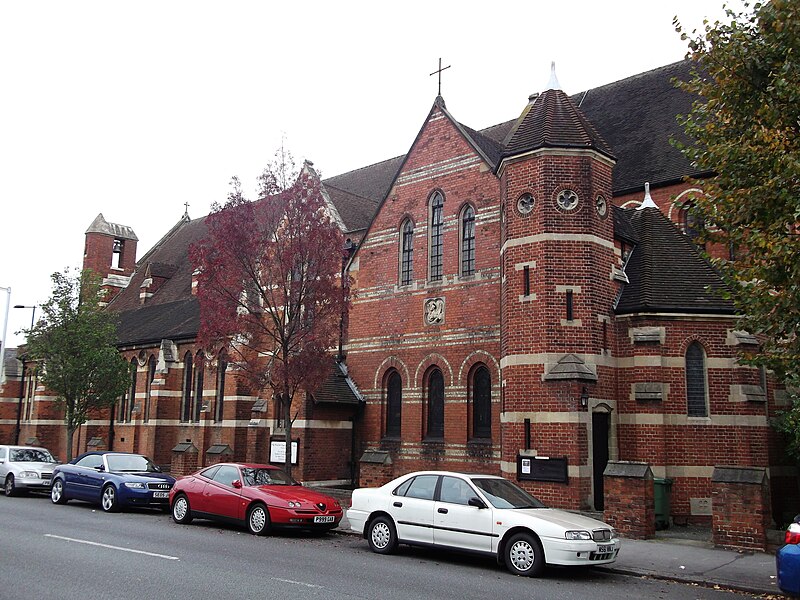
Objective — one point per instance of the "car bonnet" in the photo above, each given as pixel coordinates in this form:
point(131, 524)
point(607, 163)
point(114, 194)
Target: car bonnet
point(562, 518)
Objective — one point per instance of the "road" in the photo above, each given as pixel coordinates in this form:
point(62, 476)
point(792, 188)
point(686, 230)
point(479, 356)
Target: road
point(77, 551)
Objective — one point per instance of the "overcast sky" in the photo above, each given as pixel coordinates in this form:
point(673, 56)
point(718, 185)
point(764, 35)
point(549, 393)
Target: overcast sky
point(134, 108)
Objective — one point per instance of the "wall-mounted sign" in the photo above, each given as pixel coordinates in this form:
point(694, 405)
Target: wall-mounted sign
point(277, 451)
point(542, 468)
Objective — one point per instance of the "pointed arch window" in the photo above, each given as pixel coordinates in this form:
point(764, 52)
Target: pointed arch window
point(126, 402)
point(692, 223)
point(436, 236)
point(199, 374)
point(394, 404)
point(222, 365)
point(435, 420)
point(468, 241)
point(186, 396)
point(696, 388)
point(151, 375)
point(481, 399)
point(406, 252)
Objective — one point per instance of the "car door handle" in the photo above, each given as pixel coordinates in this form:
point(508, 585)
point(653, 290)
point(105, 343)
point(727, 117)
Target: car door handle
point(443, 511)
point(398, 504)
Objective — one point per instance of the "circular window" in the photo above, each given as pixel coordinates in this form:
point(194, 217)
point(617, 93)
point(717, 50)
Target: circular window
point(567, 200)
point(601, 204)
point(525, 204)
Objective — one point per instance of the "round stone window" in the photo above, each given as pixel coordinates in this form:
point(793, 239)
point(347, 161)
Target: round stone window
point(567, 200)
point(525, 204)
point(601, 204)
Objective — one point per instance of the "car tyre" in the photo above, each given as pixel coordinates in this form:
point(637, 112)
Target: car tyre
point(258, 521)
point(382, 535)
point(524, 555)
point(9, 488)
point(57, 495)
point(108, 499)
point(181, 511)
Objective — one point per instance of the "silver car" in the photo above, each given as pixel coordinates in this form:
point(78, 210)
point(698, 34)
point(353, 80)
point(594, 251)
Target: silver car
point(25, 468)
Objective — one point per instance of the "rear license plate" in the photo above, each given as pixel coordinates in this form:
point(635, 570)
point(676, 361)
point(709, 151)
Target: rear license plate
point(160, 494)
point(324, 519)
point(605, 549)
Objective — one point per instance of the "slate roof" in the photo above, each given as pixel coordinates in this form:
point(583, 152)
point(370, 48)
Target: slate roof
point(338, 388)
point(666, 271)
point(150, 323)
point(552, 120)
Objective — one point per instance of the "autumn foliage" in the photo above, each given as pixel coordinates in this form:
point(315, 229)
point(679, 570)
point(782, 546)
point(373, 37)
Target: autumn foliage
point(269, 287)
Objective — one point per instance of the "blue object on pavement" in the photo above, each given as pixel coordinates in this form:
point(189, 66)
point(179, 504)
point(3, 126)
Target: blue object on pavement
point(787, 561)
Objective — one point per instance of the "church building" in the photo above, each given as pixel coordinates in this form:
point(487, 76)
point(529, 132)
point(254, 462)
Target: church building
point(529, 300)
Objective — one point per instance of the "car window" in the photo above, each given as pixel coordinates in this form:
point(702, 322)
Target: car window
point(30, 455)
point(209, 473)
point(226, 475)
point(2, 452)
point(423, 487)
point(455, 491)
point(403, 488)
point(253, 476)
point(501, 493)
point(91, 461)
point(131, 463)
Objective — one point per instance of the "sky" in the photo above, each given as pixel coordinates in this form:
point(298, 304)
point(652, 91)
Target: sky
point(132, 109)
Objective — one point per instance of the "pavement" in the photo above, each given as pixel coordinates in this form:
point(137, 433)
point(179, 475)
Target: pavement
point(687, 556)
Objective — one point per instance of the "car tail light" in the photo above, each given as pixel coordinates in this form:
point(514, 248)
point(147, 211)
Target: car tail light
point(793, 534)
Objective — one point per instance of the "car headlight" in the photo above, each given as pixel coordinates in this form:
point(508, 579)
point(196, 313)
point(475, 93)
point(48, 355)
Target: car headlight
point(29, 475)
point(614, 534)
point(136, 485)
point(577, 535)
point(293, 504)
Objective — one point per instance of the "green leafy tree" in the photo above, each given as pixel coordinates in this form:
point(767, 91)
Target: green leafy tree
point(73, 344)
point(746, 130)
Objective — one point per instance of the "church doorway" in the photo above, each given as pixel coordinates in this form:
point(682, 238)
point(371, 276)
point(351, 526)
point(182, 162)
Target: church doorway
point(601, 427)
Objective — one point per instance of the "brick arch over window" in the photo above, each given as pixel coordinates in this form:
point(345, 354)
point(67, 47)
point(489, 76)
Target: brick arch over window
point(480, 402)
point(406, 252)
point(393, 399)
point(436, 236)
point(467, 240)
point(696, 380)
point(434, 404)
point(391, 362)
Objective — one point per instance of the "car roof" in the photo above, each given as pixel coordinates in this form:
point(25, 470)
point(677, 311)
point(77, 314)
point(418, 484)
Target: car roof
point(23, 447)
point(457, 473)
point(245, 465)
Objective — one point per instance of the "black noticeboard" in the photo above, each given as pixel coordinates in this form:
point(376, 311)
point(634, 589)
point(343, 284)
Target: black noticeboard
point(542, 468)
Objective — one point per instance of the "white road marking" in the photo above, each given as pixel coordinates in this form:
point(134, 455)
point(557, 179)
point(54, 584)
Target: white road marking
point(68, 539)
point(311, 585)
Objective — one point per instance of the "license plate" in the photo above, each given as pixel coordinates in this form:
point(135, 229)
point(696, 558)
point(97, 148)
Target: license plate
point(605, 549)
point(324, 519)
point(160, 494)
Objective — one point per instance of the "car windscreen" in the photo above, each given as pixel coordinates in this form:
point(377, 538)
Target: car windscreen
point(132, 463)
point(255, 476)
point(30, 455)
point(504, 494)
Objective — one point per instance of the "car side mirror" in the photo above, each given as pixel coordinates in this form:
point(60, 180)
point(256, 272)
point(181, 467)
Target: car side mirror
point(100, 468)
point(157, 469)
point(237, 484)
point(476, 502)
point(2, 460)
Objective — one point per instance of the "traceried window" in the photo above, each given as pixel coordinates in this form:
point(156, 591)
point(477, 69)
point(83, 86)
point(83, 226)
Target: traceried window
point(406, 253)
point(222, 365)
point(131, 392)
point(435, 420)
point(186, 397)
point(481, 398)
point(394, 404)
point(199, 374)
point(436, 236)
point(151, 375)
point(468, 241)
point(696, 390)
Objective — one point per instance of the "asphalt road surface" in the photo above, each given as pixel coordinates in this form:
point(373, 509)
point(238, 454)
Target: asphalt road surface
point(77, 551)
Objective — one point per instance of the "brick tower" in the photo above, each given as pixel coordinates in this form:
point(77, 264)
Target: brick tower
point(558, 261)
point(110, 251)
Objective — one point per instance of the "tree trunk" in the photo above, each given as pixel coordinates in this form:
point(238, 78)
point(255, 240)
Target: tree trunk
point(287, 424)
point(70, 435)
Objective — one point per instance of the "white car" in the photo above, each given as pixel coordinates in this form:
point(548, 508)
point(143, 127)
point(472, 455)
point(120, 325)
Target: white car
point(479, 513)
point(25, 468)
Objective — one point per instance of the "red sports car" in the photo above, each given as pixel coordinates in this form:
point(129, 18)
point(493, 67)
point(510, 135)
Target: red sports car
point(262, 496)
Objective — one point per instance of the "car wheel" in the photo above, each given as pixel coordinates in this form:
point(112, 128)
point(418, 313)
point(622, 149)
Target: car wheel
point(382, 535)
point(9, 488)
point(181, 513)
point(108, 500)
point(258, 519)
point(57, 492)
point(524, 555)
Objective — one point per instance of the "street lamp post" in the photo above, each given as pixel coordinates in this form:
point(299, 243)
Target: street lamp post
point(4, 341)
point(33, 312)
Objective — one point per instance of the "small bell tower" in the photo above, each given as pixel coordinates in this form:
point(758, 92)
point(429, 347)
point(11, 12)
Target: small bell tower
point(110, 251)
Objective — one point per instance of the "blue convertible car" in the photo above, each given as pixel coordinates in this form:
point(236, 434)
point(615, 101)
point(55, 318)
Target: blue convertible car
point(112, 480)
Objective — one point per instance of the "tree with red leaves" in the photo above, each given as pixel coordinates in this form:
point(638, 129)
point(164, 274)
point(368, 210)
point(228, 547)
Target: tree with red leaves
point(269, 286)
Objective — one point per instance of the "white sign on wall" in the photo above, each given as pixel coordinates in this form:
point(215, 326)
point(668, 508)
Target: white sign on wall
point(277, 451)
